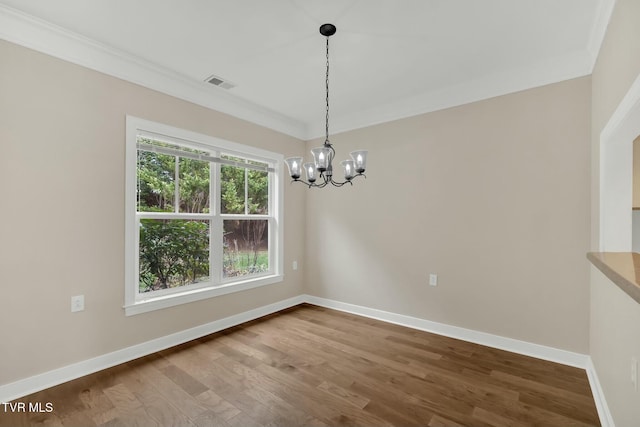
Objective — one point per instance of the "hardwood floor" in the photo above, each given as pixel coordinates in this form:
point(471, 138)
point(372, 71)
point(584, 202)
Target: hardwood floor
point(311, 366)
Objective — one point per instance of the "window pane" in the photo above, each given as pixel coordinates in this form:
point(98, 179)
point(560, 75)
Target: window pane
point(156, 183)
point(232, 189)
point(194, 185)
point(246, 247)
point(258, 192)
point(173, 253)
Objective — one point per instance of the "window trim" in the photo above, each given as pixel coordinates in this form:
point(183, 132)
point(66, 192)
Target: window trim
point(135, 305)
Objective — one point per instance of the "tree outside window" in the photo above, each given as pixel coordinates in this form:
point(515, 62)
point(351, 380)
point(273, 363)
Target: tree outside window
point(175, 247)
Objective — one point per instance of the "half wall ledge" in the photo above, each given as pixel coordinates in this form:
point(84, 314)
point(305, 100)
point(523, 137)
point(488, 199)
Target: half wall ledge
point(622, 268)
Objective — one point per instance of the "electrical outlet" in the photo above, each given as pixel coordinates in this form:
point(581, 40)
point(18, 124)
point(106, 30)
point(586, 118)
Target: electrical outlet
point(433, 279)
point(634, 373)
point(295, 265)
point(77, 303)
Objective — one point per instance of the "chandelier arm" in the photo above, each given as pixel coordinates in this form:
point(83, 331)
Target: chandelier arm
point(326, 181)
point(349, 181)
point(302, 181)
point(310, 184)
point(340, 184)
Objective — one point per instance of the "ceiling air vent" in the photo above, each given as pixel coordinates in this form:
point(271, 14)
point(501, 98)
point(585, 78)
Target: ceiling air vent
point(220, 82)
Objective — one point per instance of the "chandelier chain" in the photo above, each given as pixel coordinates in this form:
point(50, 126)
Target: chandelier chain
point(327, 86)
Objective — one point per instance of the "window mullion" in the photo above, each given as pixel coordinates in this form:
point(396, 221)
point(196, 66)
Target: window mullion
point(272, 244)
point(176, 190)
point(138, 181)
point(216, 232)
point(136, 290)
point(246, 191)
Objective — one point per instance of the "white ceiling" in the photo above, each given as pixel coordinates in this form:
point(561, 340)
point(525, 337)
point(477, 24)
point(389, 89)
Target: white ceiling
point(389, 58)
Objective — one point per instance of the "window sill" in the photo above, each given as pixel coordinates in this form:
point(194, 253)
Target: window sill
point(622, 268)
point(166, 301)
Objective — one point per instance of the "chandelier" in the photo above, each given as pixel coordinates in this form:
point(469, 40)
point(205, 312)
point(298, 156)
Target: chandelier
point(321, 169)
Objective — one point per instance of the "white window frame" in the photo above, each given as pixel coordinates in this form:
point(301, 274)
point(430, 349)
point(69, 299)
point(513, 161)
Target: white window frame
point(136, 302)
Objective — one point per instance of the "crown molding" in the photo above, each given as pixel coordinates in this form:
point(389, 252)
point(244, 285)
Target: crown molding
point(42, 36)
point(599, 29)
point(546, 72)
point(34, 33)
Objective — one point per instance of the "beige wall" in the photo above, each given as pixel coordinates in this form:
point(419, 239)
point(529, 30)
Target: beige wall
point(615, 339)
point(636, 173)
point(62, 137)
point(492, 196)
point(615, 317)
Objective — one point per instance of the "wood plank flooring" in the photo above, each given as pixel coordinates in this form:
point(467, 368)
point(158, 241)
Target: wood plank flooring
point(311, 366)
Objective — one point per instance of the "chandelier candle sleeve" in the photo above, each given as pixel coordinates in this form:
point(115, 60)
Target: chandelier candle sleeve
point(311, 172)
point(349, 167)
point(322, 158)
point(360, 160)
point(294, 164)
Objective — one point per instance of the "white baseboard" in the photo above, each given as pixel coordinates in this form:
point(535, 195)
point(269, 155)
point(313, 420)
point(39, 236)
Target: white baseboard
point(48, 379)
point(598, 396)
point(509, 344)
point(39, 382)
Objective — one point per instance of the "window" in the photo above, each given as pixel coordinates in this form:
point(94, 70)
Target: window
point(202, 217)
